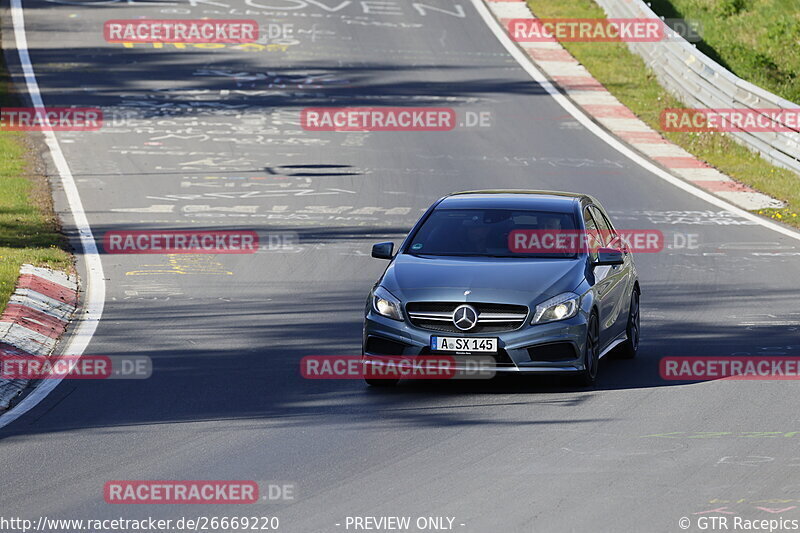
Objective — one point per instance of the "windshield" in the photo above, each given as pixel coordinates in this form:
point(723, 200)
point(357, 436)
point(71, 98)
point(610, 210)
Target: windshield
point(486, 232)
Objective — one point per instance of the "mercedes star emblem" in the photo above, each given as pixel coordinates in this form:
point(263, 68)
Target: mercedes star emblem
point(465, 317)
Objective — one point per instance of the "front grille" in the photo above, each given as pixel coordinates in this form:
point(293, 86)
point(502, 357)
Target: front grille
point(556, 351)
point(438, 316)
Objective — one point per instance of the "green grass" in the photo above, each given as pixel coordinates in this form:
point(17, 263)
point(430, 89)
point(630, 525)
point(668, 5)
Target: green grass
point(625, 75)
point(758, 40)
point(29, 231)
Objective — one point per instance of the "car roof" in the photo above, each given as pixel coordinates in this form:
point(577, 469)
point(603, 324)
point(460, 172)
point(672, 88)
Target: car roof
point(554, 201)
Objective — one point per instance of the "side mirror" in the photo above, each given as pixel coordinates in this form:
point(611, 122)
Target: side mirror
point(619, 242)
point(383, 250)
point(609, 256)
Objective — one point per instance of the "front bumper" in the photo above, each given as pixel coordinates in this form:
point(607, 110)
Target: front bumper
point(529, 349)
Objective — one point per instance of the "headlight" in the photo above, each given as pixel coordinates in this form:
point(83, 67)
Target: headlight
point(385, 304)
point(559, 307)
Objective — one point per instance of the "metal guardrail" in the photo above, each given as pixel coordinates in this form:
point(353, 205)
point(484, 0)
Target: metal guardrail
point(699, 82)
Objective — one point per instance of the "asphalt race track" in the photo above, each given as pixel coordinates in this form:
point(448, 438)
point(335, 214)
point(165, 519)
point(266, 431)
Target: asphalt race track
point(213, 143)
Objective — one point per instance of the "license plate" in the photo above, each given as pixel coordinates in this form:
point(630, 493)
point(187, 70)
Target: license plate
point(463, 344)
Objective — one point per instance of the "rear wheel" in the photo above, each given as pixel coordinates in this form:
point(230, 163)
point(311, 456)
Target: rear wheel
point(629, 348)
point(591, 354)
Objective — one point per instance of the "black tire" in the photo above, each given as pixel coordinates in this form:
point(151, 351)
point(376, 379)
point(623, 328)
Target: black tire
point(591, 354)
point(629, 348)
point(381, 382)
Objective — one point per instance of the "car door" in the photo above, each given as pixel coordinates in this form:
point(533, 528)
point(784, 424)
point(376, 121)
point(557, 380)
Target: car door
point(618, 276)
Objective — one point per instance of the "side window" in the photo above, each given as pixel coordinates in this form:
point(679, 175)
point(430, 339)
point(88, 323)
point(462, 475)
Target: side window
point(608, 221)
point(607, 235)
point(591, 230)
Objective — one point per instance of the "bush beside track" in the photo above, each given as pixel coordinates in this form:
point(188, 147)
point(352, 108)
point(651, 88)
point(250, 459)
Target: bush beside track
point(626, 76)
point(29, 229)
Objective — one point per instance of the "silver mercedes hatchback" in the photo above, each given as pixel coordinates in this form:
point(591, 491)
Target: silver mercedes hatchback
point(508, 276)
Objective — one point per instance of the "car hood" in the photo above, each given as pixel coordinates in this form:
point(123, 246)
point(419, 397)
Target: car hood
point(492, 280)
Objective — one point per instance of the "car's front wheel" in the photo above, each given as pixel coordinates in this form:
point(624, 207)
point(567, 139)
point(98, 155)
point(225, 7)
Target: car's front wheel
point(629, 348)
point(591, 353)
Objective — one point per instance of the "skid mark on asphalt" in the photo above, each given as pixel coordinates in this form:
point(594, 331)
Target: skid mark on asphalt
point(751, 505)
point(247, 47)
point(183, 264)
point(700, 218)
